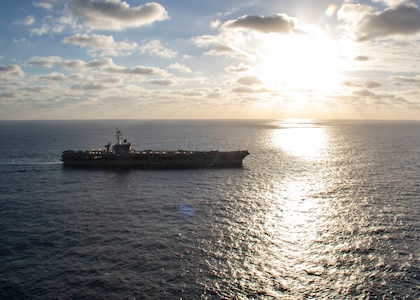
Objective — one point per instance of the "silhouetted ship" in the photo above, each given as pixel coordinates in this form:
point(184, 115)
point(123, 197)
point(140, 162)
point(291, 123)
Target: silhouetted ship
point(123, 156)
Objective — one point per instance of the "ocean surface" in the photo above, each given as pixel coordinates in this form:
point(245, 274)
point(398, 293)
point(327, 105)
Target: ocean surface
point(320, 210)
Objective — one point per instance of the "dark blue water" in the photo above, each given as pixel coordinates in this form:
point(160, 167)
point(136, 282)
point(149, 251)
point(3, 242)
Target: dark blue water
point(326, 210)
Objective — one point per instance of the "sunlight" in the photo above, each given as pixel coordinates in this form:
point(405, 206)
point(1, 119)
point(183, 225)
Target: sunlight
point(300, 62)
point(302, 139)
point(293, 220)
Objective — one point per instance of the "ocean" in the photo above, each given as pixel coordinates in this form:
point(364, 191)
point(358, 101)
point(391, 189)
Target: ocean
point(319, 210)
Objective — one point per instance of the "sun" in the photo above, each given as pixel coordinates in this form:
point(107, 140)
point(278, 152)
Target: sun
point(301, 62)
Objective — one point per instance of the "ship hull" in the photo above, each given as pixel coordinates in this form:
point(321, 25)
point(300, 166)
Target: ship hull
point(154, 159)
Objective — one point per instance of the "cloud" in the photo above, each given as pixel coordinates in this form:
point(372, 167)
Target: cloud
point(372, 84)
point(240, 38)
point(20, 41)
point(351, 84)
point(361, 58)
point(74, 64)
point(29, 20)
point(41, 30)
point(369, 84)
point(243, 90)
point(363, 93)
point(248, 90)
point(249, 80)
point(382, 100)
point(368, 24)
point(280, 23)
point(139, 70)
point(12, 70)
point(391, 3)
point(10, 95)
point(205, 40)
point(403, 80)
point(54, 76)
point(46, 62)
point(155, 48)
point(90, 86)
point(180, 68)
point(101, 63)
point(224, 50)
point(241, 68)
point(162, 82)
point(104, 44)
point(49, 27)
point(77, 64)
point(116, 15)
point(106, 64)
point(221, 46)
point(44, 5)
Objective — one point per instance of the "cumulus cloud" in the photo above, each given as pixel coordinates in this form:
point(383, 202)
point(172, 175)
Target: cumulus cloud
point(110, 66)
point(116, 15)
point(76, 64)
point(364, 93)
point(401, 20)
point(140, 70)
point(243, 90)
point(369, 24)
point(20, 41)
point(280, 23)
point(391, 3)
point(238, 38)
point(46, 61)
point(369, 84)
point(44, 5)
point(372, 84)
point(249, 80)
point(205, 40)
point(106, 64)
point(54, 76)
point(12, 70)
point(101, 63)
point(56, 61)
point(40, 30)
point(162, 82)
point(384, 99)
point(29, 20)
point(351, 83)
point(241, 68)
point(56, 26)
point(105, 45)
point(402, 80)
point(180, 68)
point(156, 48)
point(225, 50)
point(90, 86)
point(361, 58)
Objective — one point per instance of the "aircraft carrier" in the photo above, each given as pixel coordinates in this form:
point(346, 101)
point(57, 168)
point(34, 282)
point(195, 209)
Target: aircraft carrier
point(121, 155)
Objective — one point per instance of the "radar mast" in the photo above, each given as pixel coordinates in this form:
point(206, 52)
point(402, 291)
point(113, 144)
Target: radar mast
point(119, 137)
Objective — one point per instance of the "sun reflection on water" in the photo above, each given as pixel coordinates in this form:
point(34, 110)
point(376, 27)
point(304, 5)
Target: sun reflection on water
point(297, 214)
point(301, 138)
point(292, 224)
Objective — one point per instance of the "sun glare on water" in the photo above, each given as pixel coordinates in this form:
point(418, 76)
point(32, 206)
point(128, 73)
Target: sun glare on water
point(301, 139)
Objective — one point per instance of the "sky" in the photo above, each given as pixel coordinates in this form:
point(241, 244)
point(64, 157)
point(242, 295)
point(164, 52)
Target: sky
point(190, 59)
